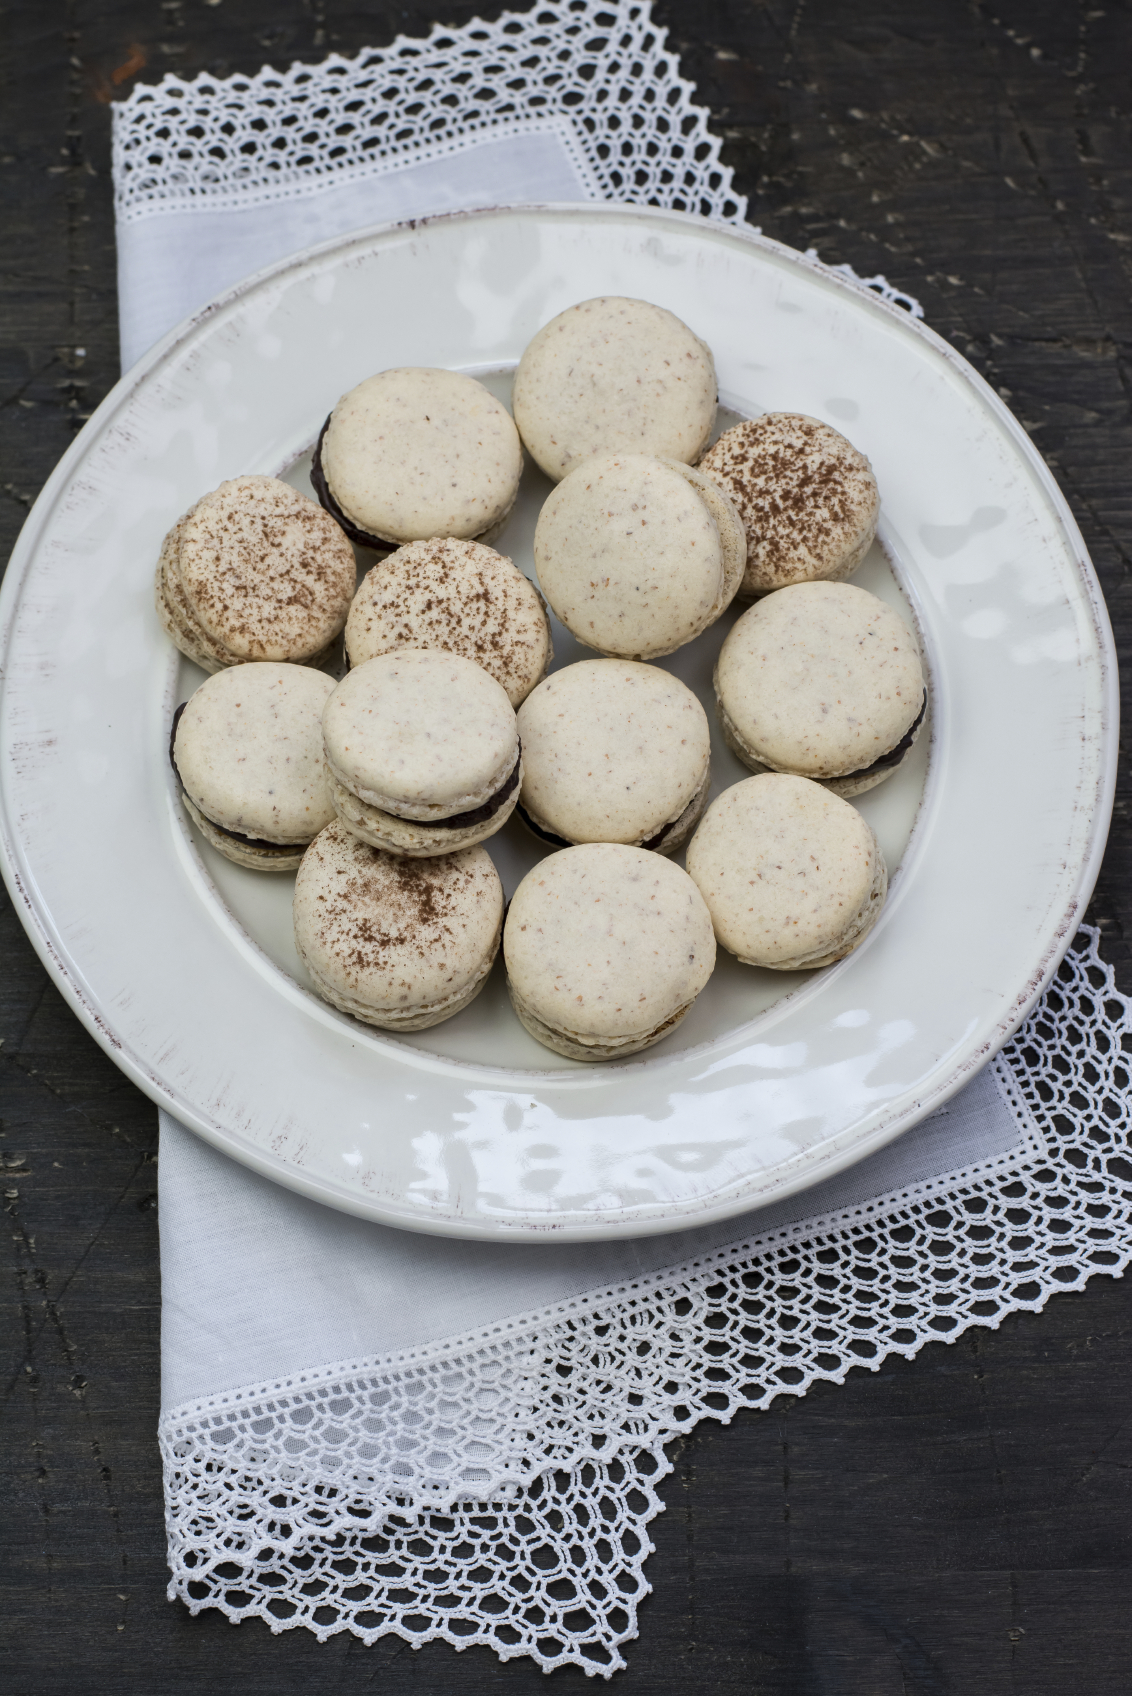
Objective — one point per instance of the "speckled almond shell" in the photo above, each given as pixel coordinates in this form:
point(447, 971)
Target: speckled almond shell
point(612, 376)
point(248, 751)
point(821, 680)
point(420, 733)
point(253, 856)
point(732, 536)
point(417, 452)
point(254, 571)
point(458, 596)
point(399, 943)
point(629, 555)
point(614, 751)
point(807, 498)
point(793, 876)
point(606, 947)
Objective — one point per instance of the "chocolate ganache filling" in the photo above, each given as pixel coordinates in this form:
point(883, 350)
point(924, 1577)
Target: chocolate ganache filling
point(474, 815)
point(236, 835)
point(326, 500)
point(537, 830)
point(894, 755)
point(561, 842)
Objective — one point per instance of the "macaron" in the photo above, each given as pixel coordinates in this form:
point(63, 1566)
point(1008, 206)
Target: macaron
point(417, 452)
point(614, 751)
point(638, 555)
point(422, 750)
point(254, 571)
point(807, 498)
point(402, 944)
point(247, 748)
point(461, 597)
point(607, 947)
point(822, 680)
point(614, 376)
point(793, 876)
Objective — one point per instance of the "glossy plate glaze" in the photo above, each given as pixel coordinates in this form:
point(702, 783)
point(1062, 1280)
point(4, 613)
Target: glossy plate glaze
point(183, 967)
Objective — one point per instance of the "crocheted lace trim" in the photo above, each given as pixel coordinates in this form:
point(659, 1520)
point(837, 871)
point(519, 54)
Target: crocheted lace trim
point(498, 1489)
point(598, 75)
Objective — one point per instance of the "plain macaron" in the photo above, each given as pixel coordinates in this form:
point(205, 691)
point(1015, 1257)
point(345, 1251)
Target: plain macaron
point(822, 680)
point(614, 751)
point(793, 876)
point(613, 375)
point(247, 749)
point(415, 452)
point(632, 555)
point(607, 947)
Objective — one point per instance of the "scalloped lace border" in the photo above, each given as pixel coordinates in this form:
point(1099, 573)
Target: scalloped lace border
point(499, 1490)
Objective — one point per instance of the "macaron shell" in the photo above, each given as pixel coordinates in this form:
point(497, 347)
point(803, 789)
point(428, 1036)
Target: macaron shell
point(591, 1049)
point(178, 620)
point(248, 751)
point(732, 536)
point(399, 943)
point(806, 496)
point(420, 733)
point(264, 572)
point(418, 452)
point(819, 679)
point(629, 557)
point(251, 855)
point(612, 376)
point(605, 942)
point(409, 836)
point(793, 876)
point(613, 751)
point(460, 597)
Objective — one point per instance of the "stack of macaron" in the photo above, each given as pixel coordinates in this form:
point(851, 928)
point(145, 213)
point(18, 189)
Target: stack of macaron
point(254, 571)
point(382, 788)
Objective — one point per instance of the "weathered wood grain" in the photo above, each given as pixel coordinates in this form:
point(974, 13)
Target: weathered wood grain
point(959, 1523)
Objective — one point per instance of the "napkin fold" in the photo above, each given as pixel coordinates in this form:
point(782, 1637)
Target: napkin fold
point(369, 1430)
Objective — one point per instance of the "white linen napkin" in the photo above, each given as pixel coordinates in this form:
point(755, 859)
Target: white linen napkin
point(330, 1386)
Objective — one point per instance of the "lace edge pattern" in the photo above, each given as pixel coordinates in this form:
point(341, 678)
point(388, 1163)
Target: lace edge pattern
point(601, 69)
point(539, 1549)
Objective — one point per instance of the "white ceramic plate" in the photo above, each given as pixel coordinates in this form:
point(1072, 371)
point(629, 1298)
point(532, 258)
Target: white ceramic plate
point(183, 966)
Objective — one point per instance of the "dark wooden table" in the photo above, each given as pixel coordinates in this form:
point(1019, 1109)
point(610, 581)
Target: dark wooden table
point(960, 1523)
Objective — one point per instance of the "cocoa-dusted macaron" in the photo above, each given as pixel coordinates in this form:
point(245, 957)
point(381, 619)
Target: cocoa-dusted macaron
point(613, 375)
point(807, 498)
point(637, 555)
point(607, 947)
point(247, 748)
point(254, 571)
point(793, 876)
point(418, 452)
point(822, 680)
point(458, 596)
point(423, 752)
point(402, 944)
point(614, 751)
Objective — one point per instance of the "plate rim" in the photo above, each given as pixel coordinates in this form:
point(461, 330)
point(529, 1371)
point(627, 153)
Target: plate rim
point(680, 1215)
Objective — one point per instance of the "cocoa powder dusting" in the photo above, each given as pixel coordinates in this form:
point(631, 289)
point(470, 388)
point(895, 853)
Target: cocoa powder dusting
point(800, 487)
point(383, 915)
point(458, 597)
point(266, 571)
